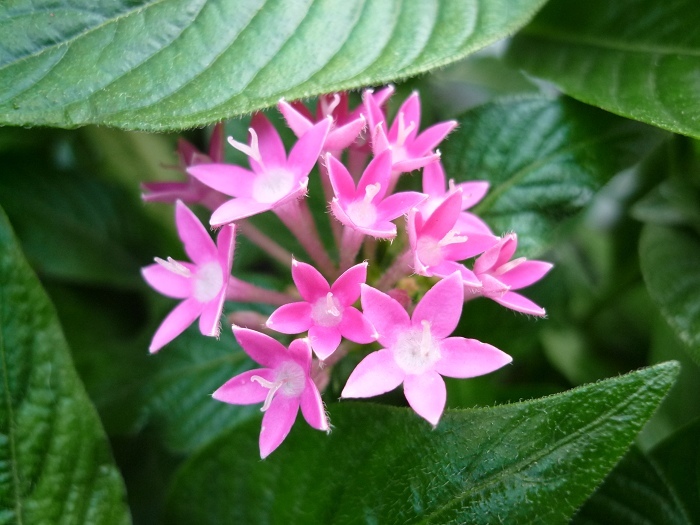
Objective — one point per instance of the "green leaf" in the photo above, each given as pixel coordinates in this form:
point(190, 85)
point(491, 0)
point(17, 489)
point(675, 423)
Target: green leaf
point(521, 463)
point(669, 259)
point(634, 492)
point(678, 458)
point(173, 64)
point(55, 463)
point(631, 57)
point(545, 159)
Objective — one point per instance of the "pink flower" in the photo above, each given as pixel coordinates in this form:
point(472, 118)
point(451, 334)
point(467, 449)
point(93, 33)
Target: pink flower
point(499, 275)
point(284, 385)
point(344, 129)
point(410, 150)
point(417, 350)
point(191, 191)
point(364, 208)
point(275, 180)
point(202, 284)
point(437, 244)
point(327, 311)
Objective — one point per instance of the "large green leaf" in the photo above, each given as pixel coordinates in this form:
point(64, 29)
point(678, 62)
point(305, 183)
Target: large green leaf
point(634, 492)
point(637, 58)
point(55, 463)
point(545, 159)
point(521, 463)
point(171, 64)
point(669, 260)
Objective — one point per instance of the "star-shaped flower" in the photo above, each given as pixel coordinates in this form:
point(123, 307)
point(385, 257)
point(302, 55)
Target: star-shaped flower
point(275, 179)
point(326, 311)
point(418, 350)
point(499, 276)
point(283, 386)
point(364, 208)
point(201, 283)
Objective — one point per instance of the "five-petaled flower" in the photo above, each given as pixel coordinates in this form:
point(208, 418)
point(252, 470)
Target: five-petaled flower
point(326, 311)
point(283, 386)
point(418, 350)
point(202, 283)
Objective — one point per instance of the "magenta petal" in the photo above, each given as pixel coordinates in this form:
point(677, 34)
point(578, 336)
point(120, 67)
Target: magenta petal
point(175, 323)
point(517, 302)
point(378, 172)
point(305, 152)
point(312, 407)
point(526, 273)
point(166, 282)
point(414, 163)
point(434, 180)
point(292, 318)
point(310, 283)
point(269, 142)
point(226, 178)
point(209, 321)
point(237, 209)
point(473, 246)
point(469, 223)
point(300, 351)
point(473, 192)
point(376, 374)
point(356, 327)
point(262, 348)
point(225, 244)
point(200, 248)
point(489, 258)
point(386, 315)
point(242, 390)
point(398, 204)
point(463, 358)
point(277, 422)
point(426, 393)
point(441, 306)
point(431, 137)
point(341, 137)
point(324, 340)
point(341, 180)
point(347, 287)
point(444, 218)
point(299, 123)
point(411, 114)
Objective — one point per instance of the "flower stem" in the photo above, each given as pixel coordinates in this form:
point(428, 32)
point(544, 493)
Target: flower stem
point(265, 243)
point(243, 292)
point(350, 247)
point(336, 227)
point(401, 267)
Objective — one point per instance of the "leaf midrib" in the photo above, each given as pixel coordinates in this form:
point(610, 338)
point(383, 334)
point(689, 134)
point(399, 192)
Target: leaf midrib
point(10, 415)
point(606, 43)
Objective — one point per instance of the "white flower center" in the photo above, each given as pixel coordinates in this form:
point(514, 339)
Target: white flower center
point(362, 212)
point(290, 380)
point(208, 282)
point(327, 311)
point(416, 351)
point(272, 185)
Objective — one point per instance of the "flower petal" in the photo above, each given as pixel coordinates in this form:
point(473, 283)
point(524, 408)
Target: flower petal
point(376, 374)
point(474, 245)
point(426, 393)
point(378, 172)
point(434, 182)
point(342, 136)
point(312, 407)
point(324, 340)
point(270, 144)
point(175, 323)
point(347, 287)
point(262, 348)
point(225, 244)
point(356, 327)
point(305, 152)
point(310, 283)
point(242, 390)
point(431, 137)
point(300, 351)
point(341, 180)
point(411, 115)
point(444, 218)
point(209, 320)
point(199, 246)
point(517, 302)
point(237, 209)
point(292, 318)
point(469, 223)
point(463, 358)
point(386, 315)
point(226, 178)
point(277, 422)
point(526, 273)
point(414, 163)
point(472, 192)
point(441, 306)
point(297, 119)
point(166, 282)
point(398, 204)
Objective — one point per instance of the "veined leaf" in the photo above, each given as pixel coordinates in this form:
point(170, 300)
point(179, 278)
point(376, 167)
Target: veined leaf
point(545, 159)
point(522, 463)
point(55, 463)
point(173, 64)
point(636, 58)
point(669, 259)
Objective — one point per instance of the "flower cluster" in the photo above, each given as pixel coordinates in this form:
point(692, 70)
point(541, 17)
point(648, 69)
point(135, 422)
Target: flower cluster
point(361, 158)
